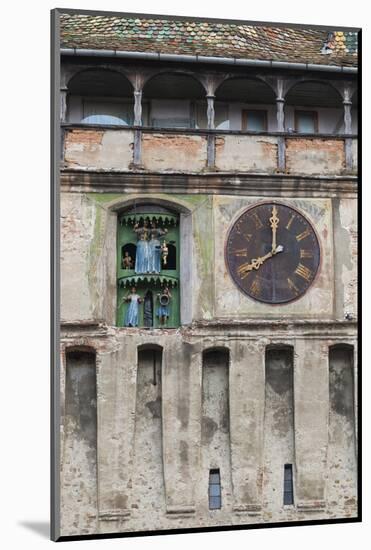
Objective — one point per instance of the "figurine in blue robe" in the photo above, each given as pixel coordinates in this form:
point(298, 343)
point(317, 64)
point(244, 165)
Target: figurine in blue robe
point(132, 312)
point(142, 258)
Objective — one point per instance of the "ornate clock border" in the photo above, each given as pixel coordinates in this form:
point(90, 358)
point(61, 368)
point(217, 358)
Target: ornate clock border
point(273, 253)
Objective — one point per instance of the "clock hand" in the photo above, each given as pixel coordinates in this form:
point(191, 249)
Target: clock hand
point(245, 269)
point(274, 224)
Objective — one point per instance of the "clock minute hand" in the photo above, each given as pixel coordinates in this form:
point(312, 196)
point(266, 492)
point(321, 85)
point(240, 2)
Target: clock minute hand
point(274, 220)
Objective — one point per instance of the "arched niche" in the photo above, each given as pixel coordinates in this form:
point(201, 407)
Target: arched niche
point(313, 106)
point(279, 443)
point(184, 254)
point(247, 104)
point(100, 96)
point(176, 100)
point(215, 428)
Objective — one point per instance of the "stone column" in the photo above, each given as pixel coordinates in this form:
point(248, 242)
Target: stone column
point(311, 413)
point(181, 410)
point(137, 154)
point(280, 103)
point(116, 413)
point(348, 129)
point(210, 112)
point(138, 108)
point(246, 401)
point(63, 104)
point(281, 155)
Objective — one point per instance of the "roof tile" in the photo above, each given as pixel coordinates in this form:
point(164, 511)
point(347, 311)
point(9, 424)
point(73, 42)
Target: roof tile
point(199, 37)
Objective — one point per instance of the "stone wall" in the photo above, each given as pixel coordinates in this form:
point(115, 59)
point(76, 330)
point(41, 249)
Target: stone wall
point(157, 443)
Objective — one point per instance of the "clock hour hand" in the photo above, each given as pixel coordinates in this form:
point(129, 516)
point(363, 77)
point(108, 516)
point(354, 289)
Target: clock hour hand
point(274, 224)
point(245, 269)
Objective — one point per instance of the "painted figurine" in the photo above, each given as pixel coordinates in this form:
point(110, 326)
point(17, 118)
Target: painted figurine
point(127, 261)
point(155, 248)
point(165, 252)
point(132, 312)
point(163, 311)
point(143, 249)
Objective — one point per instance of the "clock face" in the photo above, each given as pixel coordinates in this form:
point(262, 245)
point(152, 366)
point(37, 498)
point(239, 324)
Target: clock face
point(272, 253)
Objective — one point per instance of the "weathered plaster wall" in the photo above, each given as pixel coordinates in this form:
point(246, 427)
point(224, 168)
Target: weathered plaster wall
point(99, 149)
point(174, 152)
point(315, 156)
point(156, 444)
point(88, 260)
point(345, 260)
point(246, 153)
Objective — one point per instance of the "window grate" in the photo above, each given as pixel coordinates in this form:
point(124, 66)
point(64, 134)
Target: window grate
point(288, 488)
point(215, 494)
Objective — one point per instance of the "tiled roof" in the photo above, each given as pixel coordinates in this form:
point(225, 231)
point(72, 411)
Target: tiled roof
point(209, 38)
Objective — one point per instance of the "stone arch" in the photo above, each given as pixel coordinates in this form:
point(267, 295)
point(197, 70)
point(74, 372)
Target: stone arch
point(178, 98)
point(101, 68)
point(309, 81)
point(245, 103)
point(216, 348)
point(100, 95)
point(246, 78)
point(175, 72)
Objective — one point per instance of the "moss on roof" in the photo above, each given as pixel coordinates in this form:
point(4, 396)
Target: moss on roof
point(198, 37)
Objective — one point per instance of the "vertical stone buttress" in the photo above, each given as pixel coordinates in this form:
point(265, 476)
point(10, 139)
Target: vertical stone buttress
point(246, 387)
point(116, 411)
point(181, 409)
point(215, 438)
point(148, 495)
point(342, 463)
point(79, 460)
point(311, 407)
point(278, 424)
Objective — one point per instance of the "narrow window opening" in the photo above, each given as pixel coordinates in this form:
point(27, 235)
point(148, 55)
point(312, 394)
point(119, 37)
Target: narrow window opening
point(171, 258)
point(215, 495)
point(306, 122)
point(254, 120)
point(288, 489)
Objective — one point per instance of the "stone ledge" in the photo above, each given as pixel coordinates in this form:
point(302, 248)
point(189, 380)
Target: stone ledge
point(178, 510)
point(249, 509)
point(114, 515)
point(311, 506)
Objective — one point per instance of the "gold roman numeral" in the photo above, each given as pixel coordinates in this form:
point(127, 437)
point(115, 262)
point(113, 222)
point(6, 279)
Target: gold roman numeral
point(292, 286)
point(242, 268)
point(303, 235)
point(258, 222)
point(304, 272)
point(255, 287)
point(305, 253)
point(290, 221)
point(241, 252)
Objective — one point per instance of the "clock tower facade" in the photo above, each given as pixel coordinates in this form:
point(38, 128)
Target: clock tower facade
point(209, 275)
